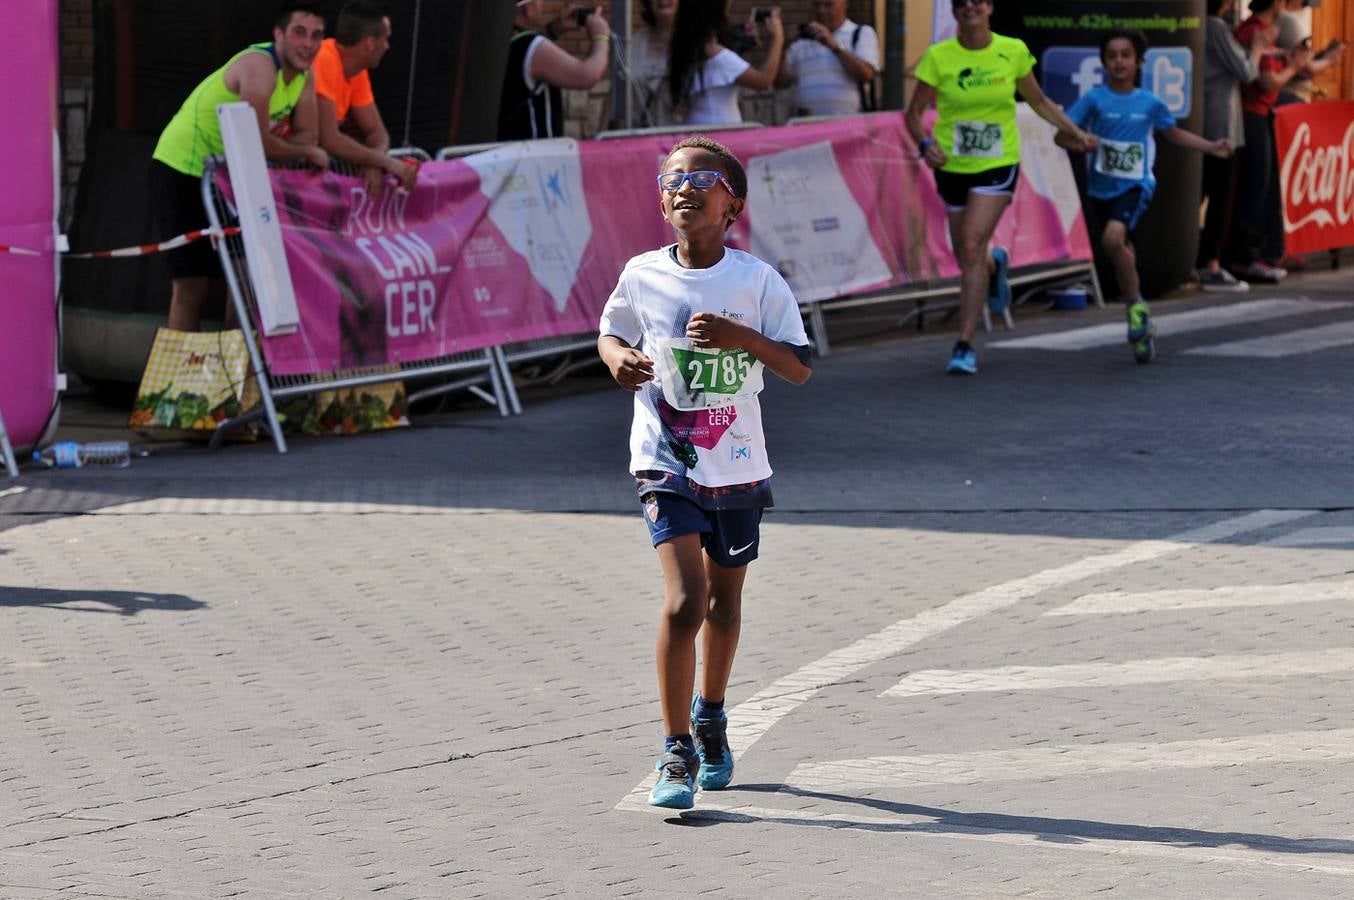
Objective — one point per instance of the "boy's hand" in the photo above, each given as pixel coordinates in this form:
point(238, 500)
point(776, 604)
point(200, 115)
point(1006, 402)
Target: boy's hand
point(1222, 148)
point(711, 332)
point(629, 367)
point(1087, 141)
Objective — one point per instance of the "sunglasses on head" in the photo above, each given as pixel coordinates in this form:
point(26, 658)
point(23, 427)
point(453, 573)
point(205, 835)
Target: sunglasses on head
point(701, 180)
point(960, 4)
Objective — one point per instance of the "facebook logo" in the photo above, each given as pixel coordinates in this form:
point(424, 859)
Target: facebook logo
point(1069, 72)
point(1168, 72)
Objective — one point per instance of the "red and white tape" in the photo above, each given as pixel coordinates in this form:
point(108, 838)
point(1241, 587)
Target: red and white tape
point(143, 250)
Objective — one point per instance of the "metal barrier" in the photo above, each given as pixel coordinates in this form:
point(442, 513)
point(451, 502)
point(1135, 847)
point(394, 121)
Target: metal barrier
point(481, 367)
point(673, 129)
point(7, 451)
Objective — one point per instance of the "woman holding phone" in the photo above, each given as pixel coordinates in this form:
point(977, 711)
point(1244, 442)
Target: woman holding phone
point(704, 75)
point(975, 151)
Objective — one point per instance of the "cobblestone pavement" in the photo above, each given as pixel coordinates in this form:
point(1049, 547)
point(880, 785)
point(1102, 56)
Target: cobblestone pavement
point(1074, 626)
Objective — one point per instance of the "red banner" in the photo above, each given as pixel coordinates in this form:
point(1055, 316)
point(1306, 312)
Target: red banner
point(1316, 171)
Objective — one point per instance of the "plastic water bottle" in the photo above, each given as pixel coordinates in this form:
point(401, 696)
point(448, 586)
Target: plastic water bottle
point(74, 455)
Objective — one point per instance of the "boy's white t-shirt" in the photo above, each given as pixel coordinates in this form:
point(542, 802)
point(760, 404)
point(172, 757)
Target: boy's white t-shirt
point(714, 92)
point(649, 310)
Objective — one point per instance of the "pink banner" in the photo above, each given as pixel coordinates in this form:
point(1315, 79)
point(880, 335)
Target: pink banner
point(527, 241)
point(27, 214)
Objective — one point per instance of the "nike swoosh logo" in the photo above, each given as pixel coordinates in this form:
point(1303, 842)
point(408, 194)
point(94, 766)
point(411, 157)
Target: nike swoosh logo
point(733, 552)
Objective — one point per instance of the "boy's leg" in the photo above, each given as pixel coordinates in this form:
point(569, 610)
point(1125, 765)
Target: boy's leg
point(723, 623)
point(1122, 257)
point(685, 601)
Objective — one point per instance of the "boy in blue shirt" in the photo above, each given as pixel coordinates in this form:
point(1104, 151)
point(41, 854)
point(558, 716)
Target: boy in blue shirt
point(1120, 180)
point(690, 328)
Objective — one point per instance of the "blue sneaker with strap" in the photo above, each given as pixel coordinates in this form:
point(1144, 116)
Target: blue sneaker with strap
point(676, 787)
point(712, 749)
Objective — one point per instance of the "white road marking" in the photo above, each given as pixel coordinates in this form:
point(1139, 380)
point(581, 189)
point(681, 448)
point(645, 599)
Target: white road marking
point(1290, 343)
point(757, 715)
point(1179, 846)
point(1307, 537)
point(1139, 671)
point(12, 491)
point(245, 506)
point(1169, 324)
point(1042, 763)
point(1117, 602)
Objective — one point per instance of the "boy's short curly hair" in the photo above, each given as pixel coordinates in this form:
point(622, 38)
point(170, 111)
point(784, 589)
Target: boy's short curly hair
point(738, 178)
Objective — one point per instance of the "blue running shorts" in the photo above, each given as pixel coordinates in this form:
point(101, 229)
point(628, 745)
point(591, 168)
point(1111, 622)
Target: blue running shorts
point(1128, 207)
point(730, 536)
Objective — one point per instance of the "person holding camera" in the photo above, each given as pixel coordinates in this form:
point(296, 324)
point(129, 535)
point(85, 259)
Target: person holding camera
point(832, 65)
point(531, 106)
point(704, 75)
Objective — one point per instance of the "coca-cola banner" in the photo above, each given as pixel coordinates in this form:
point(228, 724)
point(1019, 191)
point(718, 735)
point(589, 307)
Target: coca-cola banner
point(1316, 171)
point(526, 241)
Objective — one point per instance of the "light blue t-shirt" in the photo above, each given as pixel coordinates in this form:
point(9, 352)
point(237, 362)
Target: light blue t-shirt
point(1124, 123)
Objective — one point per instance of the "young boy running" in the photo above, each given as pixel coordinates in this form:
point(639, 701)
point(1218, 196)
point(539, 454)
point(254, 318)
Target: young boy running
point(1120, 181)
point(689, 328)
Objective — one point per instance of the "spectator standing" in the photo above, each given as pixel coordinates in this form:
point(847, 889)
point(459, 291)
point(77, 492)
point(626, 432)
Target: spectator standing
point(704, 75)
point(1227, 66)
point(350, 124)
point(1257, 208)
point(649, 62)
point(274, 79)
point(833, 63)
point(1291, 37)
point(531, 106)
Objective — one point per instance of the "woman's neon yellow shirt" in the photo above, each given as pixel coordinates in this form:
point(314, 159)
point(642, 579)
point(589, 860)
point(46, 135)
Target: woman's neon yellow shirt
point(975, 100)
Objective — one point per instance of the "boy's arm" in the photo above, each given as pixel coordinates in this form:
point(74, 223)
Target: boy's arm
point(1220, 148)
point(713, 332)
point(628, 366)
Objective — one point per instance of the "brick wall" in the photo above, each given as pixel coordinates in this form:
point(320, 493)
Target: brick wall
point(76, 23)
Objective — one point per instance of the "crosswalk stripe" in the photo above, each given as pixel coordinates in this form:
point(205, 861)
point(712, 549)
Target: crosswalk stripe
point(1039, 763)
point(1141, 671)
point(1291, 343)
point(1173, 845)
point(1307, 537)
point(758, 714)
point(1168, 324)
point(1118, 602)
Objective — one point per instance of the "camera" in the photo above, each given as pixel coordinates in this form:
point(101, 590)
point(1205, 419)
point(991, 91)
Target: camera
point(581, 17)
point(761, 13)
point(806, 32)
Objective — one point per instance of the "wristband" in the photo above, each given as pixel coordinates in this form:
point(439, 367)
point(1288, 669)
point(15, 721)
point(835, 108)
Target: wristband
point(924, 145)
point(601, 37)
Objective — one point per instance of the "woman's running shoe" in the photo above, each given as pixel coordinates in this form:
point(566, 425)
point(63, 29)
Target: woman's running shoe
point(998, 288)
point(962, 362)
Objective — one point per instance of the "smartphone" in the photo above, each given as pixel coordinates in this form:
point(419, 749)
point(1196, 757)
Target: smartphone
point(1330, 48)
point(581, 17)
point(761, 13)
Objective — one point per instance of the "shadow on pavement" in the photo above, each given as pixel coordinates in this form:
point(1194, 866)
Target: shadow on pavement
point(127, 603)
point(1052, 830)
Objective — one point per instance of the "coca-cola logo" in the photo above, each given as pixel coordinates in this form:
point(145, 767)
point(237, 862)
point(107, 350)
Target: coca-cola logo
point(1322, 177)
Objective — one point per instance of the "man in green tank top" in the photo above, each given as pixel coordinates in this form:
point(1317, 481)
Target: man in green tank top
point(274, 79)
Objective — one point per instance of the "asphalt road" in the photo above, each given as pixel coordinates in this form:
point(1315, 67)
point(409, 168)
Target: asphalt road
point(1072, 626)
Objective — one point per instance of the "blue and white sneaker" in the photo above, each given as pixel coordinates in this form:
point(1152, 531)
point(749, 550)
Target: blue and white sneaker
point(712, 749)
point(962, 362)
point(998, 288)
point(676, 787)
